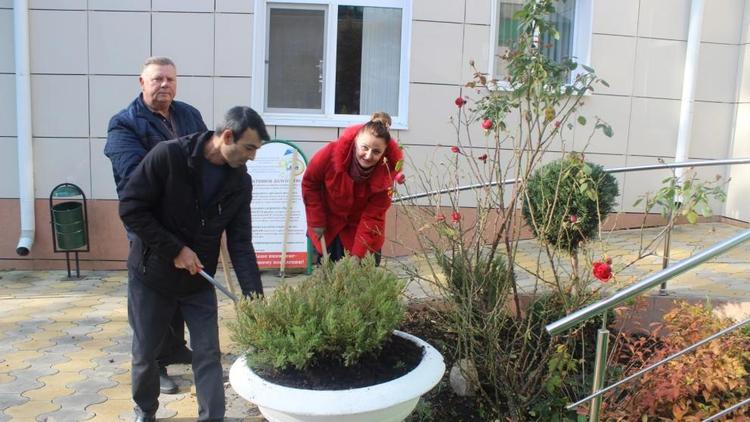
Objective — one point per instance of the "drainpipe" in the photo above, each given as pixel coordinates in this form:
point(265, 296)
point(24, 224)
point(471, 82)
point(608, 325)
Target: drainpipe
point(689, 79)
point(23, 126)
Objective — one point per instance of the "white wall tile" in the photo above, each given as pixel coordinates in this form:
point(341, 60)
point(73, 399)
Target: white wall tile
point(58, 4)
point(717, 73)
point(436, 52)
point(113, 53)
point(183, 5)
point(664, 19)
point(58, 41)
point(431, 108)
point(659, 67)
point(7, 50)
point(638, 183)
point(307, 134)
point(235, 6)
point(230, 92)
point(8, 105)
point(59, 104)
point(102, 180)
point(476, 47)
point(653, 127)
point(8, 168)
point(131, 5)
point(722, 21)
point(61, 161)
point(613, 58)
point(712, 130)
point(234, 45)
point(108, 95)
point(188, 38)
point(744, 69)
point(745, 26)
point(615, 17)
point(6, 4)
point(613, 110)
point(198, 92)
point(479, 12)
point(738, 189)
point(439, 10)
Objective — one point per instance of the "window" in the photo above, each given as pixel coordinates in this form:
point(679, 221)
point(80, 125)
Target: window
point(572, 19)
point(328, 63)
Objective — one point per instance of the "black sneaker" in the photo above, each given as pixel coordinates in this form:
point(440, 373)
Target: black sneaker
point(166, 385)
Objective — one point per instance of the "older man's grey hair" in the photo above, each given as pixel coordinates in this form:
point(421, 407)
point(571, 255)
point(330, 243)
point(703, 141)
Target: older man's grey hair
point(158, 60)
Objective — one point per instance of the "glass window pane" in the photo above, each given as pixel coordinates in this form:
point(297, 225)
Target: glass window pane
point(295, 59)
point(368, 60)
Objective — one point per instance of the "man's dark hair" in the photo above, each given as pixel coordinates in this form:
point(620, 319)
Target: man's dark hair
point(239, 119)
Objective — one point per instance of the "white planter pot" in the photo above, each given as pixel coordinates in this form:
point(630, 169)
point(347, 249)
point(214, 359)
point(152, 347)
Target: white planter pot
point(391, 401)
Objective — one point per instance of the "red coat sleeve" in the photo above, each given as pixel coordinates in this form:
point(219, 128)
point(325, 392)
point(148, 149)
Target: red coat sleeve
point(370, 234)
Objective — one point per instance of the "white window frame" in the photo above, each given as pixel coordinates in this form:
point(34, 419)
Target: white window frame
point(582, 35)
point(329, 118)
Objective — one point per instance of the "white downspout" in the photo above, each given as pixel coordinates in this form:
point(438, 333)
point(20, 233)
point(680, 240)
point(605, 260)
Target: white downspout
point(689, 79)
point(23, 126)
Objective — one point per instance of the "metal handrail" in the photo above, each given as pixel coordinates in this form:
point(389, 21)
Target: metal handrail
point(629, 292)
point(703, 163)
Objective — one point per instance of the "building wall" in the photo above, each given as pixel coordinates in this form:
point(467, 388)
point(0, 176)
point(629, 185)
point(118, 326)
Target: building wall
point(86, 55)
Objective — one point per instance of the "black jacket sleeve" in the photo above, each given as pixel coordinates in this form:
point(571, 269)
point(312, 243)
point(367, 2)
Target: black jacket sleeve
point(240, 245)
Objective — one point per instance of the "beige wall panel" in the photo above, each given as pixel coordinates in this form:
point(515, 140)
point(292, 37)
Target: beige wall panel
point(108, 95)
point(653, 127)
point(613, 58)
point(61, 161)
point(436, 52)
point(183, 5)
point(744, 69)
point(439, 10)
point(102, 180)
point(745, 26)
point(6, 4)
point(7, 50)
point(738, 190)
point(133, 5)
point(717, 73)
point(309, 148)
point(57, 4)
point(59, 104)
point(476, 46)
point(58, 41)
point(188, 38)
point(430, 109)
point(637, 183)
point(712, 130)
point(8, 105)
point(664, 19)
point(230, 92)
point(234, 45)
point(8, 168)
point(615, 17)
point(111, 50)
point(613, 110)
point(199, 93)
point(659, 68)
point(317, 134)
point(235, 6)
point(722, 21)
point(479, 11)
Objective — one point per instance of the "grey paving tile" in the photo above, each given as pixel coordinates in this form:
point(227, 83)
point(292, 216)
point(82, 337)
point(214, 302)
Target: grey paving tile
point(11, 399)
point(94, 382)
point(65, 415)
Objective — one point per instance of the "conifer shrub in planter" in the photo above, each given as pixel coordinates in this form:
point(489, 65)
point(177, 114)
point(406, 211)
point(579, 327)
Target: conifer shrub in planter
point(326, 349)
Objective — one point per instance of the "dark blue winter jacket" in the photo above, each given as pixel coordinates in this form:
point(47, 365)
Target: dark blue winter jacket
point(135, 130)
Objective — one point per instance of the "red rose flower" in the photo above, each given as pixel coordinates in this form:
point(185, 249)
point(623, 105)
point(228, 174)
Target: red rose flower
point(440, 218)
point(400, 178)
point(460, 102)
point(573, 219)
point(455, 149)
point(456, 216)
point(602, 271)
point(487, 124)
point(482, 158)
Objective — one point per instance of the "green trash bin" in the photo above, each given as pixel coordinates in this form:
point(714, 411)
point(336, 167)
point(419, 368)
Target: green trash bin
point(70, 231)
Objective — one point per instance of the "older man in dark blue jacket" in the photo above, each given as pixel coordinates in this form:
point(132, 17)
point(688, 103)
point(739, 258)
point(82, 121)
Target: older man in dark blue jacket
point(153, 117)
point(179, 200)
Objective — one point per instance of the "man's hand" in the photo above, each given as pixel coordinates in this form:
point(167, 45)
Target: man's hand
point(319, 231)
point(188, 260)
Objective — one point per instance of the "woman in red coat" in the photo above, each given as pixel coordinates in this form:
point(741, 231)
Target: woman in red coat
point(347, 189)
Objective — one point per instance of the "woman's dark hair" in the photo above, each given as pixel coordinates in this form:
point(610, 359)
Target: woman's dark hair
point(378, 125)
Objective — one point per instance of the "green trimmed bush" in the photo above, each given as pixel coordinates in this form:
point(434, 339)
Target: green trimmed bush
point(566, 201)
point(342, 312)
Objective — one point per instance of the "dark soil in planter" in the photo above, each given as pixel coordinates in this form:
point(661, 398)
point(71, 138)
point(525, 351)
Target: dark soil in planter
point(397, 357)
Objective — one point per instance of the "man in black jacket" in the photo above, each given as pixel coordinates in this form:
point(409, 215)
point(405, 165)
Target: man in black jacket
point(153, 116)
point(178, 201)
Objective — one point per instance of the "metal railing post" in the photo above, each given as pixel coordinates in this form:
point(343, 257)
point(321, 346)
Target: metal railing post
point(600, 371)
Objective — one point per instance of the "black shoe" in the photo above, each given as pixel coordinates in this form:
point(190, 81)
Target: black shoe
point(145, 419)
point(166, 385)
point(180, 355)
